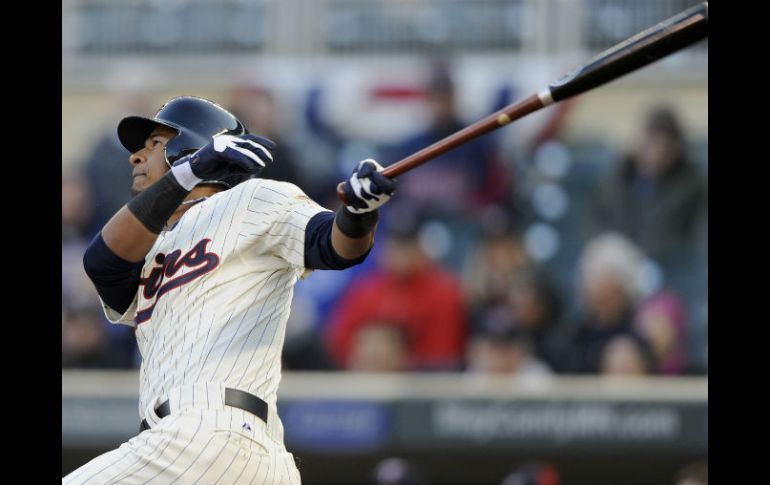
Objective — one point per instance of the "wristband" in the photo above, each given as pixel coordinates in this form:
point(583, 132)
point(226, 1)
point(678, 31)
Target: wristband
point(154, 205)
point(356, 225)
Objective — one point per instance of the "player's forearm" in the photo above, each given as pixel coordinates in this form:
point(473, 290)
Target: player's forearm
point(348, 247)
point(353, 234)
point(127, 237)
point(131, 233)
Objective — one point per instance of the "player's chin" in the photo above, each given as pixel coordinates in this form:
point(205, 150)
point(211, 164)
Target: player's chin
point(137, 187)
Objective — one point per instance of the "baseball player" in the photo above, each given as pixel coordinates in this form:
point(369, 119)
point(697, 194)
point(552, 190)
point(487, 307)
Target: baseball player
point(202, 263)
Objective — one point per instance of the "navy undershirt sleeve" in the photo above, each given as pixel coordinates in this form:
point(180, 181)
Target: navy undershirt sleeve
point(116, 280)
point(319, 253)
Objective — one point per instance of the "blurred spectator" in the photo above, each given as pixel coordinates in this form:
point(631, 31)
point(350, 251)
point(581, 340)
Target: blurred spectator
point(333, 154)
point(627, 355)
point(396, 471)
point(454, 182)
point(696, 473)
point(499, 346)
point(85, 343)
point(256, 107)
point(491, 267)
point(77, 289)
point(535, 305)
point(661, 321)
point(76, 206)
point(379, 347)
point(107, 167)
point(408, 290)
point(533, 474)
point(304, 350)
point(499, 276)
point(657, 197)
point(609, 289)
point(82, 315)
point(454, 187)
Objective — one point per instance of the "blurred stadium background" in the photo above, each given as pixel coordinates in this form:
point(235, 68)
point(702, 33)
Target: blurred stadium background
point(541, 307)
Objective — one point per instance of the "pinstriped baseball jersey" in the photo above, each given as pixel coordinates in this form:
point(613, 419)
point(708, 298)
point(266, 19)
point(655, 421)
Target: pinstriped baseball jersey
point(215, 293)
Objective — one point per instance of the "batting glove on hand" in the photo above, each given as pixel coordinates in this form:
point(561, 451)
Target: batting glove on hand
point(224, 155)
point(367, 188)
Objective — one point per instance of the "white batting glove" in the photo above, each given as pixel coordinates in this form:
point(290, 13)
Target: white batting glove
point(223, 156)
point(367, 188)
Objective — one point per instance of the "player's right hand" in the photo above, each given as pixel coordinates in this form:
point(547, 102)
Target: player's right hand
point(367, 188)
point(224, 155)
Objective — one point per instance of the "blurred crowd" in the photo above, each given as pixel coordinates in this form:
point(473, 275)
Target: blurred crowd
point(528, 263)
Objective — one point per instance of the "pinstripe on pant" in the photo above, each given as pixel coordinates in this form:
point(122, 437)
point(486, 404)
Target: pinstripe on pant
point(194, 446)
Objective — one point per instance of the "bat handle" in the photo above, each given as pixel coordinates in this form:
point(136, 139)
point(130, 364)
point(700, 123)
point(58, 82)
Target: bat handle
point(341, 193)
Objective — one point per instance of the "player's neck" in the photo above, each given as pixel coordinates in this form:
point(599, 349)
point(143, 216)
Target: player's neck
point(196, 195)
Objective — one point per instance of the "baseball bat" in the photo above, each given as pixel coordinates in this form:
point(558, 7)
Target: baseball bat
point(646, 47)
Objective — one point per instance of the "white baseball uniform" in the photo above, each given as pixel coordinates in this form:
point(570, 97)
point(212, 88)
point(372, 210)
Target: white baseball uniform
point(211, 314)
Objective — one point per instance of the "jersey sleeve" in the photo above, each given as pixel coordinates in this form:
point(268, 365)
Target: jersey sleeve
point(114, 316)
point(276, 218)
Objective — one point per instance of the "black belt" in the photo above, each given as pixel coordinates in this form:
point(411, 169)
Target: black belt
point(233, 397)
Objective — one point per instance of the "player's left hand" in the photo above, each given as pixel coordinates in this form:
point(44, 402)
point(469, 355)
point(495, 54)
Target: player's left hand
point(251, 153)
point(367, 188)
point(227, 154)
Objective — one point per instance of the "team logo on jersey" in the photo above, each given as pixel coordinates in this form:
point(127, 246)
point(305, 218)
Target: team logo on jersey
point(158, 283)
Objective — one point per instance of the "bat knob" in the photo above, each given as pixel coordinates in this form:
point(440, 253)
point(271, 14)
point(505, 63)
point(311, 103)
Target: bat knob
point(341, 193)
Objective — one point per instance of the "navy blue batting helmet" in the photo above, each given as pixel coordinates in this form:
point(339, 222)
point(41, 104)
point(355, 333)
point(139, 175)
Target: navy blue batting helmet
point(196, 121)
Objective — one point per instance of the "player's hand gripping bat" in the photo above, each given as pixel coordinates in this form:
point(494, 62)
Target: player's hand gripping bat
point(643, 48)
